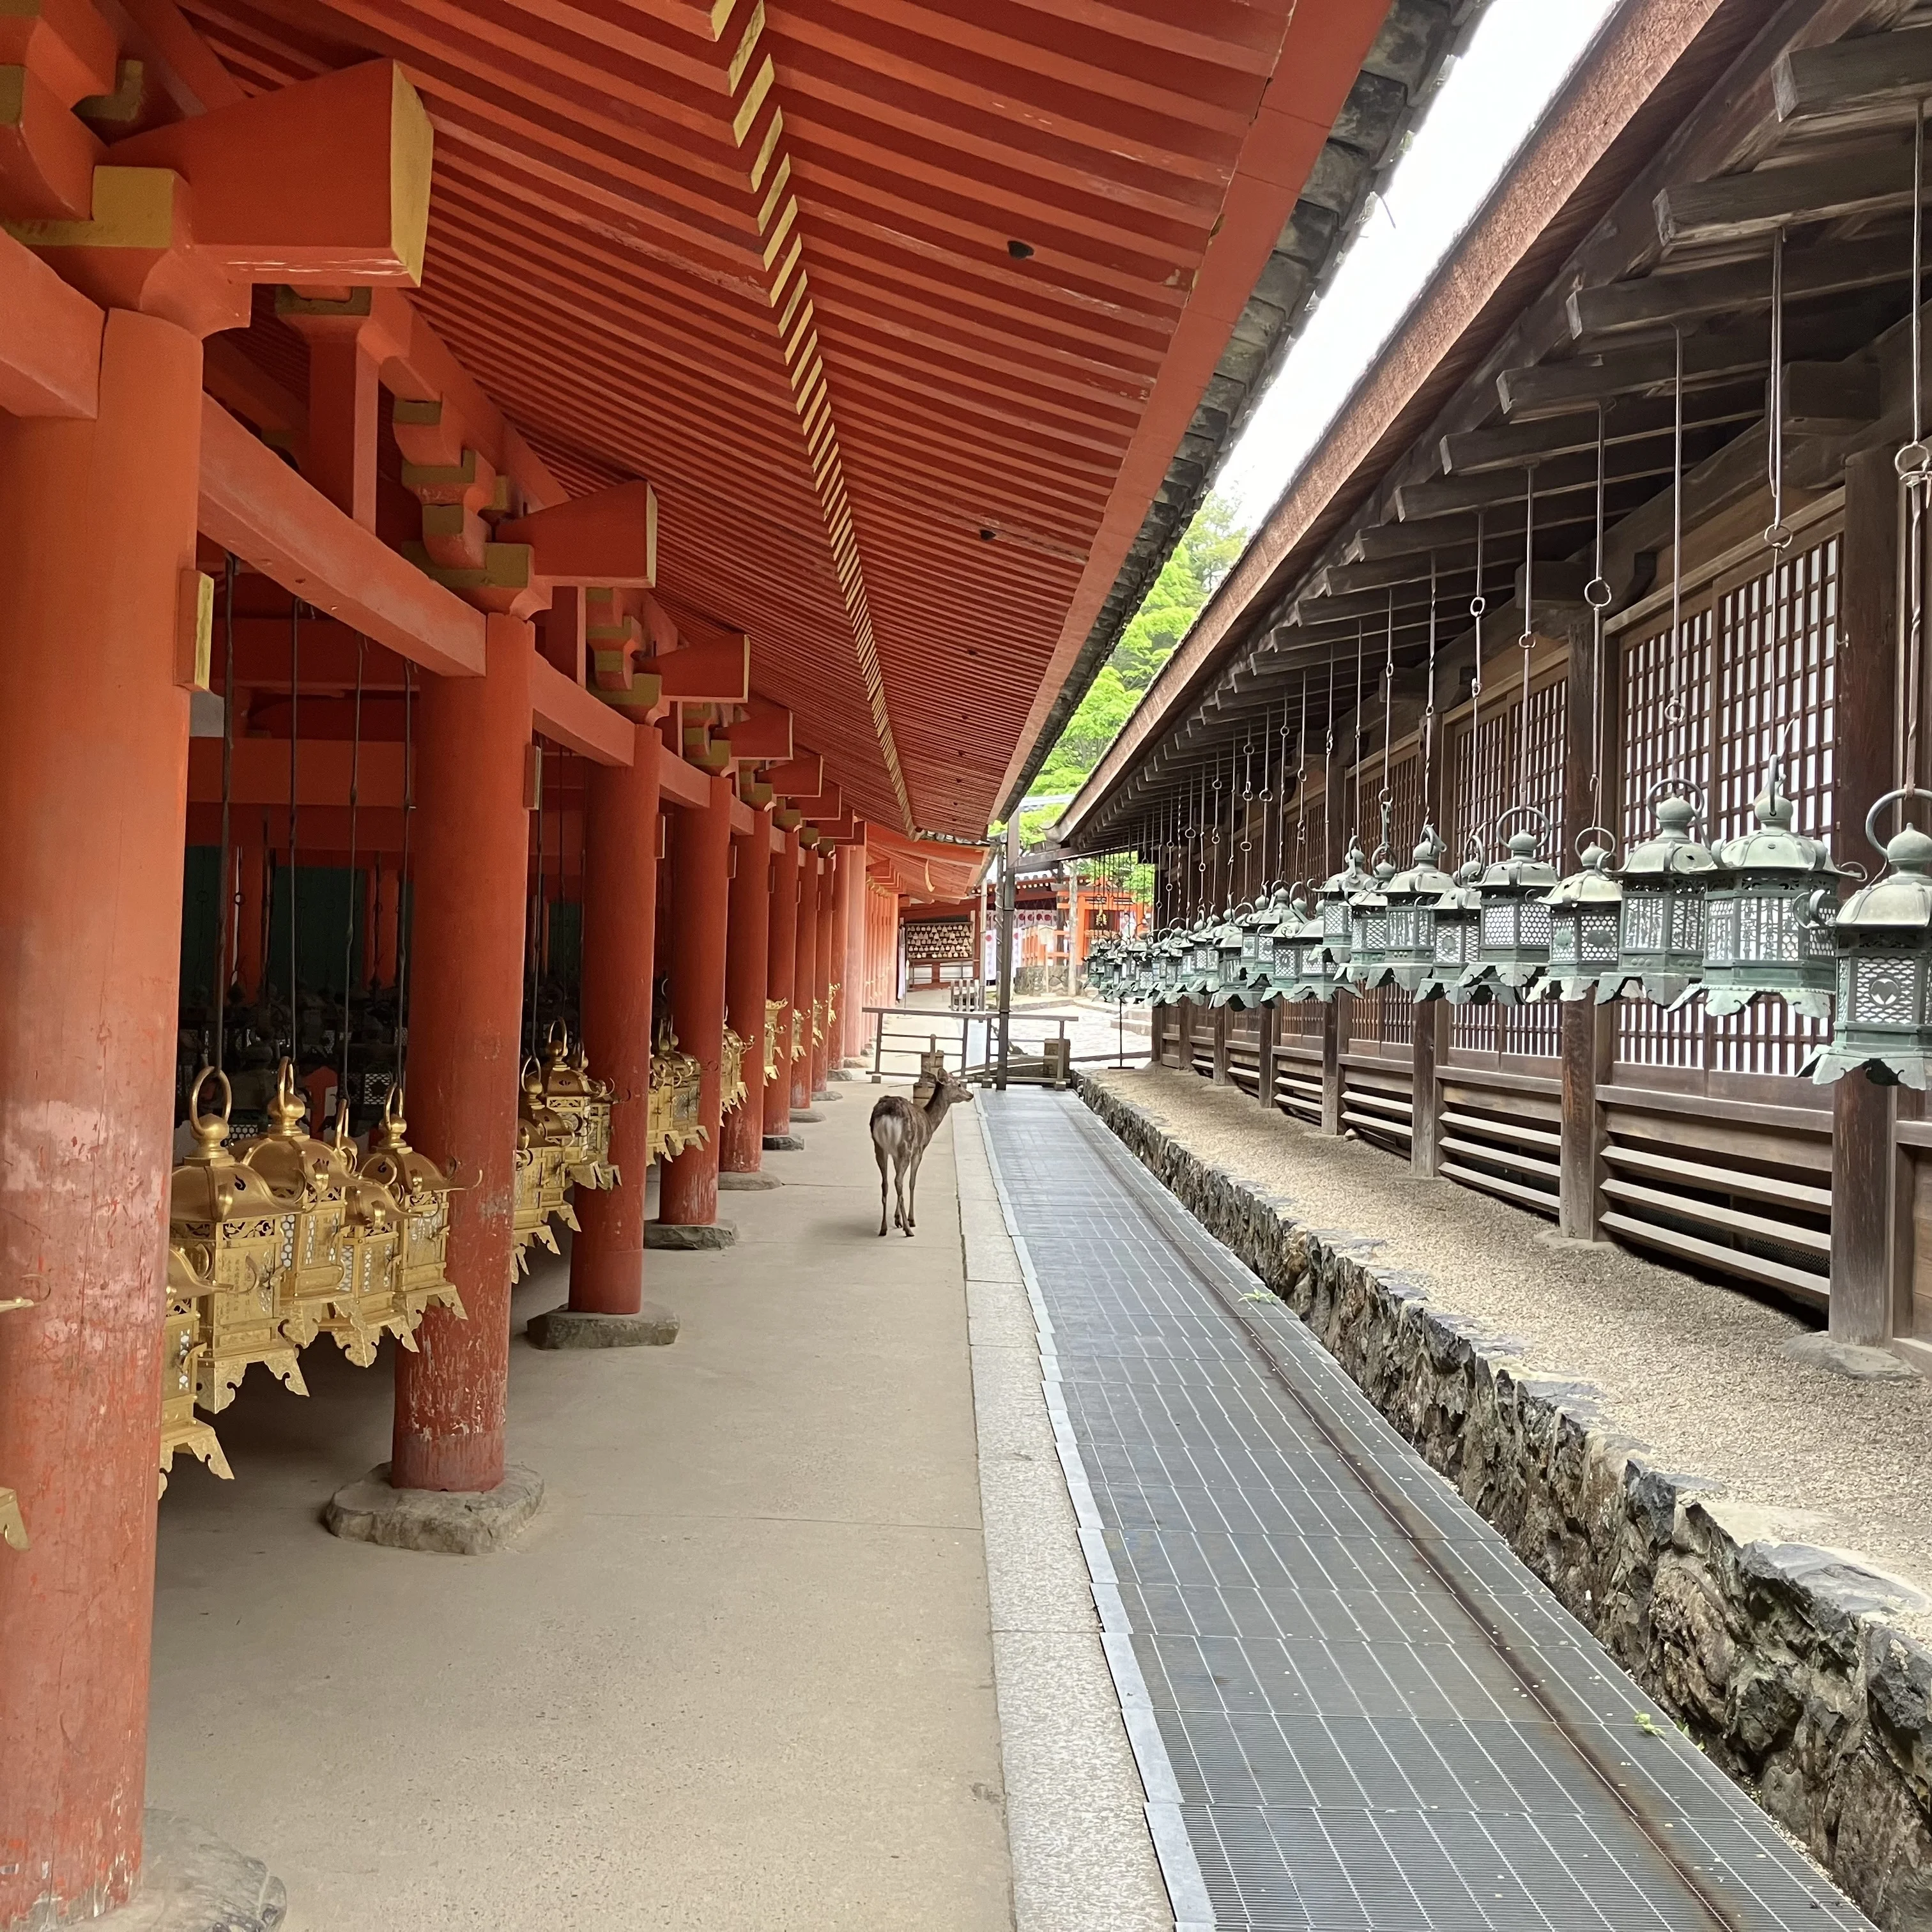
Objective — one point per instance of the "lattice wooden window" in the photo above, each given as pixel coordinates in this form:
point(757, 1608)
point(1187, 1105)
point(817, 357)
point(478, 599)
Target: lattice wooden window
point(1484, 783)
point(1759, 663)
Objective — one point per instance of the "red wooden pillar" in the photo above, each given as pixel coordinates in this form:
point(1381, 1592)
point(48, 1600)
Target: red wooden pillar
point(701, 883)
point(472, 838)
point(620, 910)
point(747, 968)
point(823, 1051)
point(97, 526)
point(805, 977)
point(852, 1000)
point(785, 872)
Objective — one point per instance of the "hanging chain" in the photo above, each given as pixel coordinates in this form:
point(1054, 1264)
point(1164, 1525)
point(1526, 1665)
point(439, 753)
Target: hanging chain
point(349, 937)
point(295, 792)
point(1914, 465)
point(1528, 640)
point(1355, 836)
point(1596, 593)
point(1388, 709)
point(1301, 788)
point(1478, 604)
point(228, 915)
point(1328, 769)
point(405, 921)
point(1428, 701)
point(1673, 707)
point(1776, 534)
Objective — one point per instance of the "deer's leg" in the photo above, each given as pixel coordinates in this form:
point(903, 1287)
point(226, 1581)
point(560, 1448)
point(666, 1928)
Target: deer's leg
point(912, 1191)
point(878, 1148)
point(898, 1190)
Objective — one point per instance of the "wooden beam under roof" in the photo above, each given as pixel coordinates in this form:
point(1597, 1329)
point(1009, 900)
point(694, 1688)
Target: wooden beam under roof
point(1872, 70)
point(1737, 208)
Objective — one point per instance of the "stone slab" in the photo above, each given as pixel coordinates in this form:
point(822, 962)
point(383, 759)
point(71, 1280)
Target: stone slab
point(1847, 1358)
point(807, 1113)
point(451, 1523)
point(748, 1183)
point(651, 1327)
point(824, 1094)
point(697, 1237)
point(191, 1882)
point(784, 1144)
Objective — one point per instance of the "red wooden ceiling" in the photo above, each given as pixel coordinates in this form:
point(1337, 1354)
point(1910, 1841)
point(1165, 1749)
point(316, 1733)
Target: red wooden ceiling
point(598, 258)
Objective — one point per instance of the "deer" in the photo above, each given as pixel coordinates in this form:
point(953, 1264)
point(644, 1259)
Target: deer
point(902, 1131)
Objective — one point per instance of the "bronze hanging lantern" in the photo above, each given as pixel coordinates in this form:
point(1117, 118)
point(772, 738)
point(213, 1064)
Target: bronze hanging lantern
point(774, 1010)
point(421, 1191)
point(371, 1243)
point(224, 1210)
point(1584, 910)
point(1883, 934)
point(1455, 924)
point(307, 1180)
point(1512, 932)
point(1332, 907)
point(673, 1117)
point(1232, 944)
point(1369, 925)
point(1409, 950)
point(583, 1103)
point(1660, 926)
point(730, 1075)
point(1315, 975)
point(184, 1355)
point(13, 1524)
point(1769, 912)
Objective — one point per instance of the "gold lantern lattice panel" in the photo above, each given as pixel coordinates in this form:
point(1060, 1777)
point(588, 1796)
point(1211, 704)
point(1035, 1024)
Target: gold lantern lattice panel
point(676, 1082)
point(13, 1524)
point(730, 1072)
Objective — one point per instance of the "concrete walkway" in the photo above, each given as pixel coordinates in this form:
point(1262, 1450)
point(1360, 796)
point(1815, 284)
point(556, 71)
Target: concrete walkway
point(738, 1673)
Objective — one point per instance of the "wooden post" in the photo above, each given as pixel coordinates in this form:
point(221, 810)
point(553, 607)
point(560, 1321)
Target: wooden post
point(1184, 1029)
point(1220, 1023)
point(1264, 1022)
point(1587, 1041)
point(1334, 1044)
point(1871, 1285)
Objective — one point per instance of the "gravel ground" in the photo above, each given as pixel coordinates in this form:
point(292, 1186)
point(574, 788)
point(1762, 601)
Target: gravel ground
point(1697, 1372)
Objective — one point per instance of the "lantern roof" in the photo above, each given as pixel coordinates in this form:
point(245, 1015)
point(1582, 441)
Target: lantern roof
point(1670, 852)
point(1519, 867)
point(1352, 878)
point(1424, 876)
point(1902, 899)
point(1771, 845)
point(1592, 883)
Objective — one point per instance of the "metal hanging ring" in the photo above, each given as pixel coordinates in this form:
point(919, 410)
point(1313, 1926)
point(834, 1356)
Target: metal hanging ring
point(1913, 461)
point(1908, 794)
point(1609, 838)
point(1478, 604)
point(1597, 593)
point(1524, 811)
point(1673, 711)
point(1679, 785)
point(1777, 536)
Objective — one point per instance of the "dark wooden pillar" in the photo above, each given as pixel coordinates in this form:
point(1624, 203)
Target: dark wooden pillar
point(1334, 1043)
point(1870, 1280)
point(1220, 1048)
point(1183, 1027)
point(1428, 1035)
point(1587, 1033)
point(1264, 1026)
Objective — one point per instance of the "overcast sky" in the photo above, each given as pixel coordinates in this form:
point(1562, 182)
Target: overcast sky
point(1516, 60)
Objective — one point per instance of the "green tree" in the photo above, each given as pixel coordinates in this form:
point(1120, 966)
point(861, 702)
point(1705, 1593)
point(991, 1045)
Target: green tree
point(1204, 556)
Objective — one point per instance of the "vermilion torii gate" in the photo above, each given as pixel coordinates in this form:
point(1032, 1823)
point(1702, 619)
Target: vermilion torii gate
point(668, 393)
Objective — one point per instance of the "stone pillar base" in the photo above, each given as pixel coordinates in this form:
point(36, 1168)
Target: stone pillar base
point(687, 1238)
point(191, 1882)
point(651, 1327)
point(824, 1094)
point(748, 1183)
point(784, 1144)
point(853, 1069)
point(453, 1522)
point(808, 1114)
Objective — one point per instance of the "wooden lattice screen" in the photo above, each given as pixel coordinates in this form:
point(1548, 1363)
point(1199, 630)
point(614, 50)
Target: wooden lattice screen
point(1758, 665)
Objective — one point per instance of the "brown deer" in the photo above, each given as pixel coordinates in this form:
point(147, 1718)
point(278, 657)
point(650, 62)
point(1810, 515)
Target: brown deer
point(902, 1131)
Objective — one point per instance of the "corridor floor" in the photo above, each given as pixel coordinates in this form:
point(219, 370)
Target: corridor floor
point(1368, 1716)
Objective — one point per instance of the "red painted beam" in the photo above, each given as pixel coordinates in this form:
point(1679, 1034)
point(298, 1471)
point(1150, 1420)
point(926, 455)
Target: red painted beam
point(715, 670)
point(252, 503)
point(764, 734)
point(803, 775)
point(568, 713)
point(609, 537)
point(684, 784)
point(260, 772)
point(50, 340)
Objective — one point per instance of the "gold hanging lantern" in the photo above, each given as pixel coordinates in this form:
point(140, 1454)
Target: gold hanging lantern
point(220, 1208)
point(797, 1031)
point(422, 1193)
point(818, 1022)
point(184, 1352)
point(773, 1008)
point(306, 1178)
point(831, 1007)
point(730, 1073)
point(13, 1524)
point(583, 1103)
point(675, 1109)
point(542, 1189)
point(371, 1245)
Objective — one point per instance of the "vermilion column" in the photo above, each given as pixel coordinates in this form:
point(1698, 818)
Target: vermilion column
point(471, 848)
point(785, 873)
point(825, 1051)
point(701, 867)
point(96, 525)
point(620, 914)
point(852, 948)
point(805, 975)
point(747, 968)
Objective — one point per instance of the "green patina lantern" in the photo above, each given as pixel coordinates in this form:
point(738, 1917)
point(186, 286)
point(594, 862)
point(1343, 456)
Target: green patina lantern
point(1200, 965)
point(1249, 986)
point(1513, 931)
point(1368, 926)
point(1169, 950)
point(1769, 914)
point(1333, 908)
point(1584, 913)
point(1318, 973)
point(1231, 941)
point(1281, 949)
point(1883, 935)
point(1454, 923)
point(1409, 951)
point(1661, 930)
